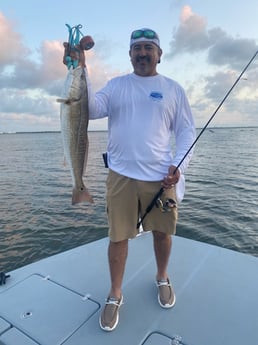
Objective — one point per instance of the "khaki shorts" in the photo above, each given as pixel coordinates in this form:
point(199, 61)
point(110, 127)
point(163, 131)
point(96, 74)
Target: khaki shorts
point(127, 200)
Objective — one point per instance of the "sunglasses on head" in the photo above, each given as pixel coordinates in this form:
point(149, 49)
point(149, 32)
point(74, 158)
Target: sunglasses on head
point(150, 34)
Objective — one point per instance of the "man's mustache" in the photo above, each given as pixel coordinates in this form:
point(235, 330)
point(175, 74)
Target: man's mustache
point(143, 58)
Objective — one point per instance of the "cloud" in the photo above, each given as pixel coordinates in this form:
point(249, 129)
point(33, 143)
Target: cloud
point(25, 101)
point(176, 4)
point(27, 86)
point(221, 59)
point(235, 52)
point(191, 35)
point(22, 71)
point(12, 48)
point(194, 36)
point(240, 106)
point(26, 73)
point(30, 81)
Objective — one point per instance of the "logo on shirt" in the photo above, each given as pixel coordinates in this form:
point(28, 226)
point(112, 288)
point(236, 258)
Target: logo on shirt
point(156, 96)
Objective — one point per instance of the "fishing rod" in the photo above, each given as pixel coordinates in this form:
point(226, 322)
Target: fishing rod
point(159, 193)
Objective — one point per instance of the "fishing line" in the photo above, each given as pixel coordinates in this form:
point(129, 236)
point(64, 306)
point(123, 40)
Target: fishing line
point(157, 196)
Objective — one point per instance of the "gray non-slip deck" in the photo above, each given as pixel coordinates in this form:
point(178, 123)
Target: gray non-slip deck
point(57, 300)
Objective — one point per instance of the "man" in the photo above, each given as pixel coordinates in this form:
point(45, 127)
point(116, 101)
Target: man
point(143, 108)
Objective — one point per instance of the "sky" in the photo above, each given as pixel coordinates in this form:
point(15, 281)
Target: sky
point(206, 45)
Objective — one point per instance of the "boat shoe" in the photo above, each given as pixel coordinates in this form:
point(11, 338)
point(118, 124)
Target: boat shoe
point(166, 295)
point(110, 314)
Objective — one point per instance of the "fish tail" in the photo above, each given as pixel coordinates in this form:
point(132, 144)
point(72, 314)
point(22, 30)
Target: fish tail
point(81, 195)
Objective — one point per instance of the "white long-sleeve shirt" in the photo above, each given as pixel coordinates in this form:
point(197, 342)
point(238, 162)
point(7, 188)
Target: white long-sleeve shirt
point(143, 113)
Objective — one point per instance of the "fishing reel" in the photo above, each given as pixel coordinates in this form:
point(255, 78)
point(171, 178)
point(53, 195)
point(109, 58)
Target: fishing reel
point(166, 206)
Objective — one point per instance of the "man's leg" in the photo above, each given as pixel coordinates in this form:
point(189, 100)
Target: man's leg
point(117, 255)
point(162, 248)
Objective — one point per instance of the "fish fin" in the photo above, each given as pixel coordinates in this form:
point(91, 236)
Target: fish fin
point(68, 100)
point(62, 100)
point(81, 195)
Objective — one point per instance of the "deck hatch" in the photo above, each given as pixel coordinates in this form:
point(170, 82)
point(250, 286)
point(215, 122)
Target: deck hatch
point(44, 310)
point(4, 326)
point(158, 338)
point(13, 336)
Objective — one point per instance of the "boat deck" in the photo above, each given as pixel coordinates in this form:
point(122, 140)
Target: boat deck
point(57, 300)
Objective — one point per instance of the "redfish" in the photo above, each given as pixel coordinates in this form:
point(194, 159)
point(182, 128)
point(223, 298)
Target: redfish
point(74, 113)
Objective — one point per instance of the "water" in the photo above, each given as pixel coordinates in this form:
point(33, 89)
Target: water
point(38, 220)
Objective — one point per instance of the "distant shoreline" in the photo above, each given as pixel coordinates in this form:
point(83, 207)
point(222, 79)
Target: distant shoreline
point(105, 130)
point(42, 132)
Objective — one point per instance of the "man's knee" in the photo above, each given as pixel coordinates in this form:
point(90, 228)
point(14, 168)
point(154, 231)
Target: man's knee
point(158, 235)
